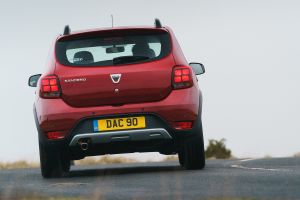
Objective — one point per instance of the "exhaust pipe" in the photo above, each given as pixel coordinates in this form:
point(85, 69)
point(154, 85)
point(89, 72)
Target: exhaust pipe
point(84, 144)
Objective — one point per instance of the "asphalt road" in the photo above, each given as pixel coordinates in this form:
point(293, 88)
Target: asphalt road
point(255, 179)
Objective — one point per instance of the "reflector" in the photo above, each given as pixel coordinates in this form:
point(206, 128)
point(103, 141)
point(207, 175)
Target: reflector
point(55, 135)
point(183, 125)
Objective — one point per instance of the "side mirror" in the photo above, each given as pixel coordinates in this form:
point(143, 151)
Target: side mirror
point(33, 80)
point(198, 68)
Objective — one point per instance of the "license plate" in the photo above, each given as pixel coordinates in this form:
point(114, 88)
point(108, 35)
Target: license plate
point(119, 123)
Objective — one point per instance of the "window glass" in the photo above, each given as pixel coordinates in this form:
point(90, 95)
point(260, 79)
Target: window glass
point(103, 51)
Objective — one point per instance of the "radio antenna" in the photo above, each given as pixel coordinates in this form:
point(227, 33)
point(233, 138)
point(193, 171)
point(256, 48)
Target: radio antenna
point(112, 21)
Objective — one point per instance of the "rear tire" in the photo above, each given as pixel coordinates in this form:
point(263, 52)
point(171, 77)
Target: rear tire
point(191, 154)
point(53, 163)
point(194, 157)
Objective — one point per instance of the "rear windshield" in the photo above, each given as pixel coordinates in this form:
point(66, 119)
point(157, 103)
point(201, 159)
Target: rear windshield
point(116, 50)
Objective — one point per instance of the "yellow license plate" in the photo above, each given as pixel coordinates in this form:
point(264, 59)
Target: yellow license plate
point(119, 123)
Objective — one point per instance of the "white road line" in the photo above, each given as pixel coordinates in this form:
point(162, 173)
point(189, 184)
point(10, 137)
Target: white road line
point(248, 159)
point(258, 168)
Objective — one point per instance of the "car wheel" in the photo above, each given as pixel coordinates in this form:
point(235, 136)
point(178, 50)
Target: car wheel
point(53, 164)
point(194, 157)
point(66, 165)
point(193, 154)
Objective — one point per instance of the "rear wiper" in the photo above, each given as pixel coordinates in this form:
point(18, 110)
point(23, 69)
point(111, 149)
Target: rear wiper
point(128, 59)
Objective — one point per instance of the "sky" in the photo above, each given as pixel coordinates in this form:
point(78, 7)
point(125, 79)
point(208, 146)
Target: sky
point(250, 48)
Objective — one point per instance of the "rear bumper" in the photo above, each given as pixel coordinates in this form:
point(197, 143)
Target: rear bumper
point(56, 115)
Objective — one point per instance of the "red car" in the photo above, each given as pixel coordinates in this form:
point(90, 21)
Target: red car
point(117, 90)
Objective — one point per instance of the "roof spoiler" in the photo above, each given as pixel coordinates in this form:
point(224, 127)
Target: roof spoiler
point(67, 30)
point(157, 23)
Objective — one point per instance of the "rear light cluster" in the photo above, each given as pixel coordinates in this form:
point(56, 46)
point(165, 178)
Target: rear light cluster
point(183, 125)
point(50, 87)
point(182, 77)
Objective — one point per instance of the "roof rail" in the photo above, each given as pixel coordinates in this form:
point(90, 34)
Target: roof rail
point(157, 23)
point(67, 30)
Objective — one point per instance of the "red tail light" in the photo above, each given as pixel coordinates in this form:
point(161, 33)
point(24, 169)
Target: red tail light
point(50, 87)
point(183, 125)
point(56, 135)
point(182, 77)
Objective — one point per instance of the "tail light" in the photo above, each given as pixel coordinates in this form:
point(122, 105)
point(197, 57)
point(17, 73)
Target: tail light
point(183, 125)
point(50, 87)
point(182, 77)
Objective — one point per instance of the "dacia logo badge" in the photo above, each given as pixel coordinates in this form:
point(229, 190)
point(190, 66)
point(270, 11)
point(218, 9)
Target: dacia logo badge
point(115, 78)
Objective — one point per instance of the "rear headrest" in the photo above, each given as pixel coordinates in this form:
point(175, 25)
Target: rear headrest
point(83, 57)
point(143, 49)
